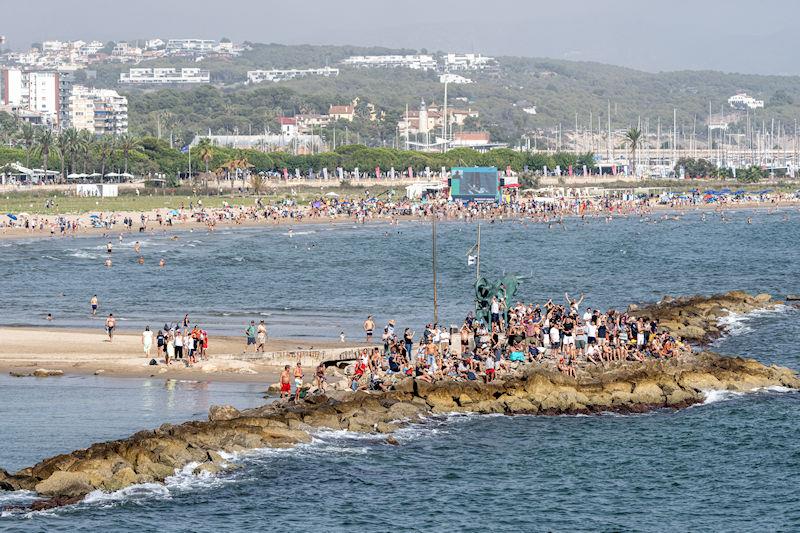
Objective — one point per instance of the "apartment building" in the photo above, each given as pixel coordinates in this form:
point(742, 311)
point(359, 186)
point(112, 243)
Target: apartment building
point(190, 46)
point(36, 91)
point(100, 111)
point(164, 76)
point(276, 75)
point(414, 62)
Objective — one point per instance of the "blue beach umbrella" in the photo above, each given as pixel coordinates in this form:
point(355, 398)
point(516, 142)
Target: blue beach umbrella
point(94, 216)
point(174, 212)
point(11, 216)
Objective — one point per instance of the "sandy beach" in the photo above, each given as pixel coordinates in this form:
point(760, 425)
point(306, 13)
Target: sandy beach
point(186, 222)
point(24, 350)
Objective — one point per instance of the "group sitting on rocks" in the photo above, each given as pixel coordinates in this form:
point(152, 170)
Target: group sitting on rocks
point(553, 334)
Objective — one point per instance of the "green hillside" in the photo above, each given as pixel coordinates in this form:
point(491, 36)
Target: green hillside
point(559, 90)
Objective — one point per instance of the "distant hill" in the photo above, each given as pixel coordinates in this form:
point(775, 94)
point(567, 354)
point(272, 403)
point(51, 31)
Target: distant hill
point(558, 89)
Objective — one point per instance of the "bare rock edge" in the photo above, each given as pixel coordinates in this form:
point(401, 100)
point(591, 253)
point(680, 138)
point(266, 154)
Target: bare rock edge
point(151, 456)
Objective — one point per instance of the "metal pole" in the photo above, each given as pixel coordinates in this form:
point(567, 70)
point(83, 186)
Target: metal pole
point(478, 258)
point(435, 301)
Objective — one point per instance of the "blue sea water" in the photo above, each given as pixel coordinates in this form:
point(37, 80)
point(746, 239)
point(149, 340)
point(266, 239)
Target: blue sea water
point(731, 464)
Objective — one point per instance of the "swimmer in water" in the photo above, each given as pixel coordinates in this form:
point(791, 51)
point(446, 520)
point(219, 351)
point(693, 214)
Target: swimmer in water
point(109, 247)
point(162, 263)
point(140, 260)
point(137, 247)
point(108, 262)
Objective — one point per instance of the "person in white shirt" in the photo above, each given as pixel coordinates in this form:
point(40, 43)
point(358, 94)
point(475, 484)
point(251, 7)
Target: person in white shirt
point(147, 340)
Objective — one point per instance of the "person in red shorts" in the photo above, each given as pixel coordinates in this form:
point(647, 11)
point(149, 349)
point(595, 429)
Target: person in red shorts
point(286, 383)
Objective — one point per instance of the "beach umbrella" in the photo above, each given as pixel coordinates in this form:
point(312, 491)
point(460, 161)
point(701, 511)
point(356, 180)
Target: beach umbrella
point(174, 212)
point(93, 175)
point(23, 215)
point(11, 216)
point(332, 195)
point(94, 216)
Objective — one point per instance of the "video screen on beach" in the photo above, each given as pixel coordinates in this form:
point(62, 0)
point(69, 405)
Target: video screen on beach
point(479, 183)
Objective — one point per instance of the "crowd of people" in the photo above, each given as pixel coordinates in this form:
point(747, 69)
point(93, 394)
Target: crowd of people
point(365, 207)
point(559, 335)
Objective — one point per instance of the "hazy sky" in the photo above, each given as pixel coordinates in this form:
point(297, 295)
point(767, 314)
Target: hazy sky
point(730, 35)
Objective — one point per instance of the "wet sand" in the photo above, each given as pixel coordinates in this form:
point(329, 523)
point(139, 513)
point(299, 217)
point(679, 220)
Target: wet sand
point(87, 352)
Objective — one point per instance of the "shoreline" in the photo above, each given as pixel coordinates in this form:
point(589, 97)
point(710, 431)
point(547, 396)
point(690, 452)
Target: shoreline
point(85, 352)
point(186, 226)
point(529, 388)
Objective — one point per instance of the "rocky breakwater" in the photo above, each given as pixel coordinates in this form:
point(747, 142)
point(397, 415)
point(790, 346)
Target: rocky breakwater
point(152, 456)
point(697, 318)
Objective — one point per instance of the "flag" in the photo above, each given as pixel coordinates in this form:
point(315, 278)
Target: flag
point(470, 260)
point(377, 172)
point(185, 149)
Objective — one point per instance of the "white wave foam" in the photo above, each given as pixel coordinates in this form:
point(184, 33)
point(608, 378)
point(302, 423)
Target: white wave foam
point(81, 254)
point(139, 492)
point(739, 323)
point(714, 396)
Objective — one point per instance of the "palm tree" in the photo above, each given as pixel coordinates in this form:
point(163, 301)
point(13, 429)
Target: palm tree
point(127, 144)
point(84, 147)
point(106, 150)
point(28, 136)
point(633, 140)
point(45, 140)
point(66, 143)
point(206, 153)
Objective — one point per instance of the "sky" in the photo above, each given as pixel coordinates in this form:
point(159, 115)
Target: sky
point(754, 37)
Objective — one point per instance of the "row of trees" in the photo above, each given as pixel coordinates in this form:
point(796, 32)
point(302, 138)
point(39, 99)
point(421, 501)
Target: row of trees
point(81, 152)
point(74, 151)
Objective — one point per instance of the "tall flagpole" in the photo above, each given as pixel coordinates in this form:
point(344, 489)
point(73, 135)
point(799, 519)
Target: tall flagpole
point(435, 301)
point(478, 258)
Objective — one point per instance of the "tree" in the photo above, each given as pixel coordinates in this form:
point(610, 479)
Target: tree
point(106, 150)
point(206, 153)
point(66, 143)
point(28, 136)
point(633, 140)
point(83, 147)
point(45, 140)
point(127, 144)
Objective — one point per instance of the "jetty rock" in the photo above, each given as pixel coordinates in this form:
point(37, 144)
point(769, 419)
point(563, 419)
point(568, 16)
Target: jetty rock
point(623, 386)
point(697, 318)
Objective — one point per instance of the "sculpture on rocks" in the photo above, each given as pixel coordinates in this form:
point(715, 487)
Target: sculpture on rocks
point(504, 289)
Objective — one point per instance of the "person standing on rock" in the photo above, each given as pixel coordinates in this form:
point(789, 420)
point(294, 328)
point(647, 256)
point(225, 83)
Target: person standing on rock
point(111, 323)
point(298, 381)
point(320, 377)
point(286, 385)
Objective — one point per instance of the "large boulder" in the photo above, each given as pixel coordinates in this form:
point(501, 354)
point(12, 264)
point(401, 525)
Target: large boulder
point(647, 392)
point(67, 484)
point(223, 412)
point(700, 381)
point(122, 478)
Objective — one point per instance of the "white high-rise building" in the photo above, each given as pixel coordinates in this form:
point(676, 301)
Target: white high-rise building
point(36, 91)
point(100, 111)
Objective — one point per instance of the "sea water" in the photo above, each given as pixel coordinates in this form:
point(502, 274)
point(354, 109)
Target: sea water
point(731, 463)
